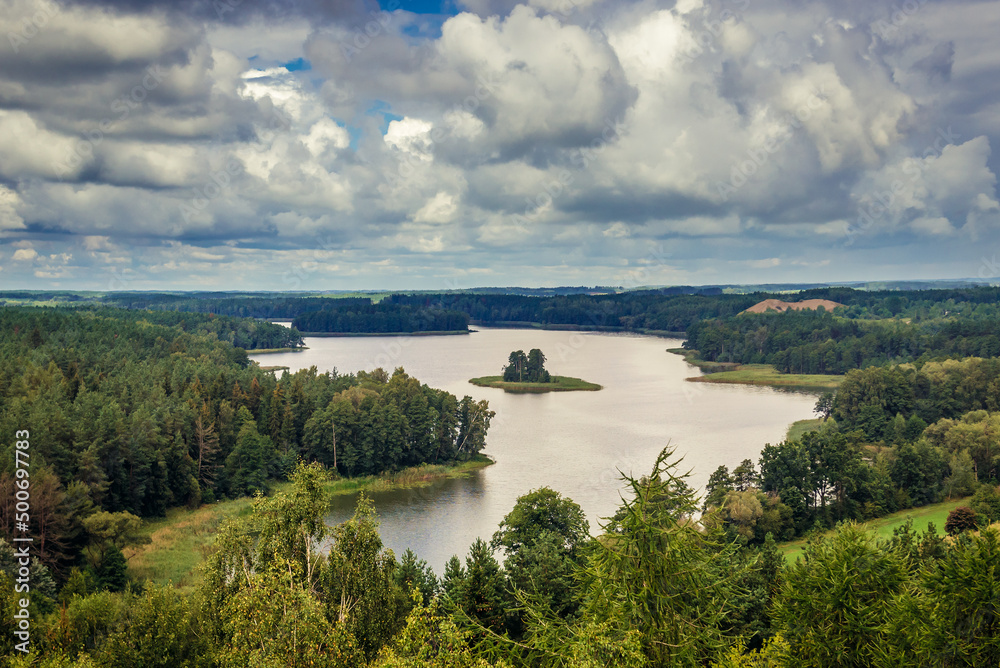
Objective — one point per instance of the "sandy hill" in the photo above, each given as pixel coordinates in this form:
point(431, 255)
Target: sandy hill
point(778, 305)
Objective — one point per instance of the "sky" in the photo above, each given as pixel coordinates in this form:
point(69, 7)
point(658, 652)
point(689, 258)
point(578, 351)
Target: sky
point(443, 144)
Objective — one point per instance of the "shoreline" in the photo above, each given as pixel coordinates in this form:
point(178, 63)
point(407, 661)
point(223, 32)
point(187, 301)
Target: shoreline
point(180, 541)
point(414, 476)
point(350, 334)
point(558, 384)
point(519, 324)
point(732, 373)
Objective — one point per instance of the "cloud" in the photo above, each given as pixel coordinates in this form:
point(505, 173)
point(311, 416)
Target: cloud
point(617, 231)
point(10, 219)
point(537, 141)
point(949, 188)
point(439, 209)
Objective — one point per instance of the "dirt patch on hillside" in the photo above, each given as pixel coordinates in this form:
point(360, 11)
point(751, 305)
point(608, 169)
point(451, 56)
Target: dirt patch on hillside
point(778, 305)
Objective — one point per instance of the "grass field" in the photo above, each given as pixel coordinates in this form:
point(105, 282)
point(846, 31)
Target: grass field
point(558, 384)
point(416, 476)
point(800, 427)
point(180, 541)
point(755, 374)
point(883, 526)
point(766, 374)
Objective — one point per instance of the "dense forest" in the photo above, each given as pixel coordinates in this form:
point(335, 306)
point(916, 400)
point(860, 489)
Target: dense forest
point(245, 333)
point(244, 306)
point(128, 416)
point(631, 310)
point(652, 588)
point(134, 411)
point(385, 317)
point(674, 309)
point(896, 437)
point(821, 342)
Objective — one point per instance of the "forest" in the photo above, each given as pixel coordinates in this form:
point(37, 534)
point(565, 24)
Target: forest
point(894, 437)
point(673, 310)
point(130, 416)
point(652, 587)
point(819, 342)
point(386, 317)
point(259, 306)
point(136, 411)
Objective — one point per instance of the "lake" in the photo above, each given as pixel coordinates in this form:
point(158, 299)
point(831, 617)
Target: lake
point(573, 442)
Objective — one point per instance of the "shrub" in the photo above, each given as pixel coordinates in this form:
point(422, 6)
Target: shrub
point(961, 519)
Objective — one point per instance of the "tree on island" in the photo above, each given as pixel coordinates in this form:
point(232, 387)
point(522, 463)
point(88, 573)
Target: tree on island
point(528, 368)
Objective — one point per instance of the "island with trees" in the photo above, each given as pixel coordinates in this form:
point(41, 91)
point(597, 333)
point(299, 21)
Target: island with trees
point(527, 374)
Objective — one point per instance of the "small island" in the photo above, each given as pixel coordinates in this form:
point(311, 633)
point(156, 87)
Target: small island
point(527, 374)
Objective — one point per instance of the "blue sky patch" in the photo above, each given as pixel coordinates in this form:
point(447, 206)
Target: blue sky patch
point(298, 65)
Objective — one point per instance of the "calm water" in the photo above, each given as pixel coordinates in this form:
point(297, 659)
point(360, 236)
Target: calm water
point(573, 442)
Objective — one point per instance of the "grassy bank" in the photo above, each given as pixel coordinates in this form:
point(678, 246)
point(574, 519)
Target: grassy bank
point(766, 374)
point(691, 357)
point(180, 541)
point(558, 384)
point(883, 526)
point(416, 476)
point(755, 374)
point(801, 427)
point(265, 351)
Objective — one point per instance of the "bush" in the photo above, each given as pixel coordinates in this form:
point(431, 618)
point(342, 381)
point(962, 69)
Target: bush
point(961, 519)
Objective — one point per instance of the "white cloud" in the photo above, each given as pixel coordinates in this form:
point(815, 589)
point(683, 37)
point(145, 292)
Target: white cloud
point(412, 136)
point(618, 230)
point(27, 148)
point(10, 201)
point(949, 188)
point(932, 226)
point(324, 135)
point(439, 209)
point(25, 254)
